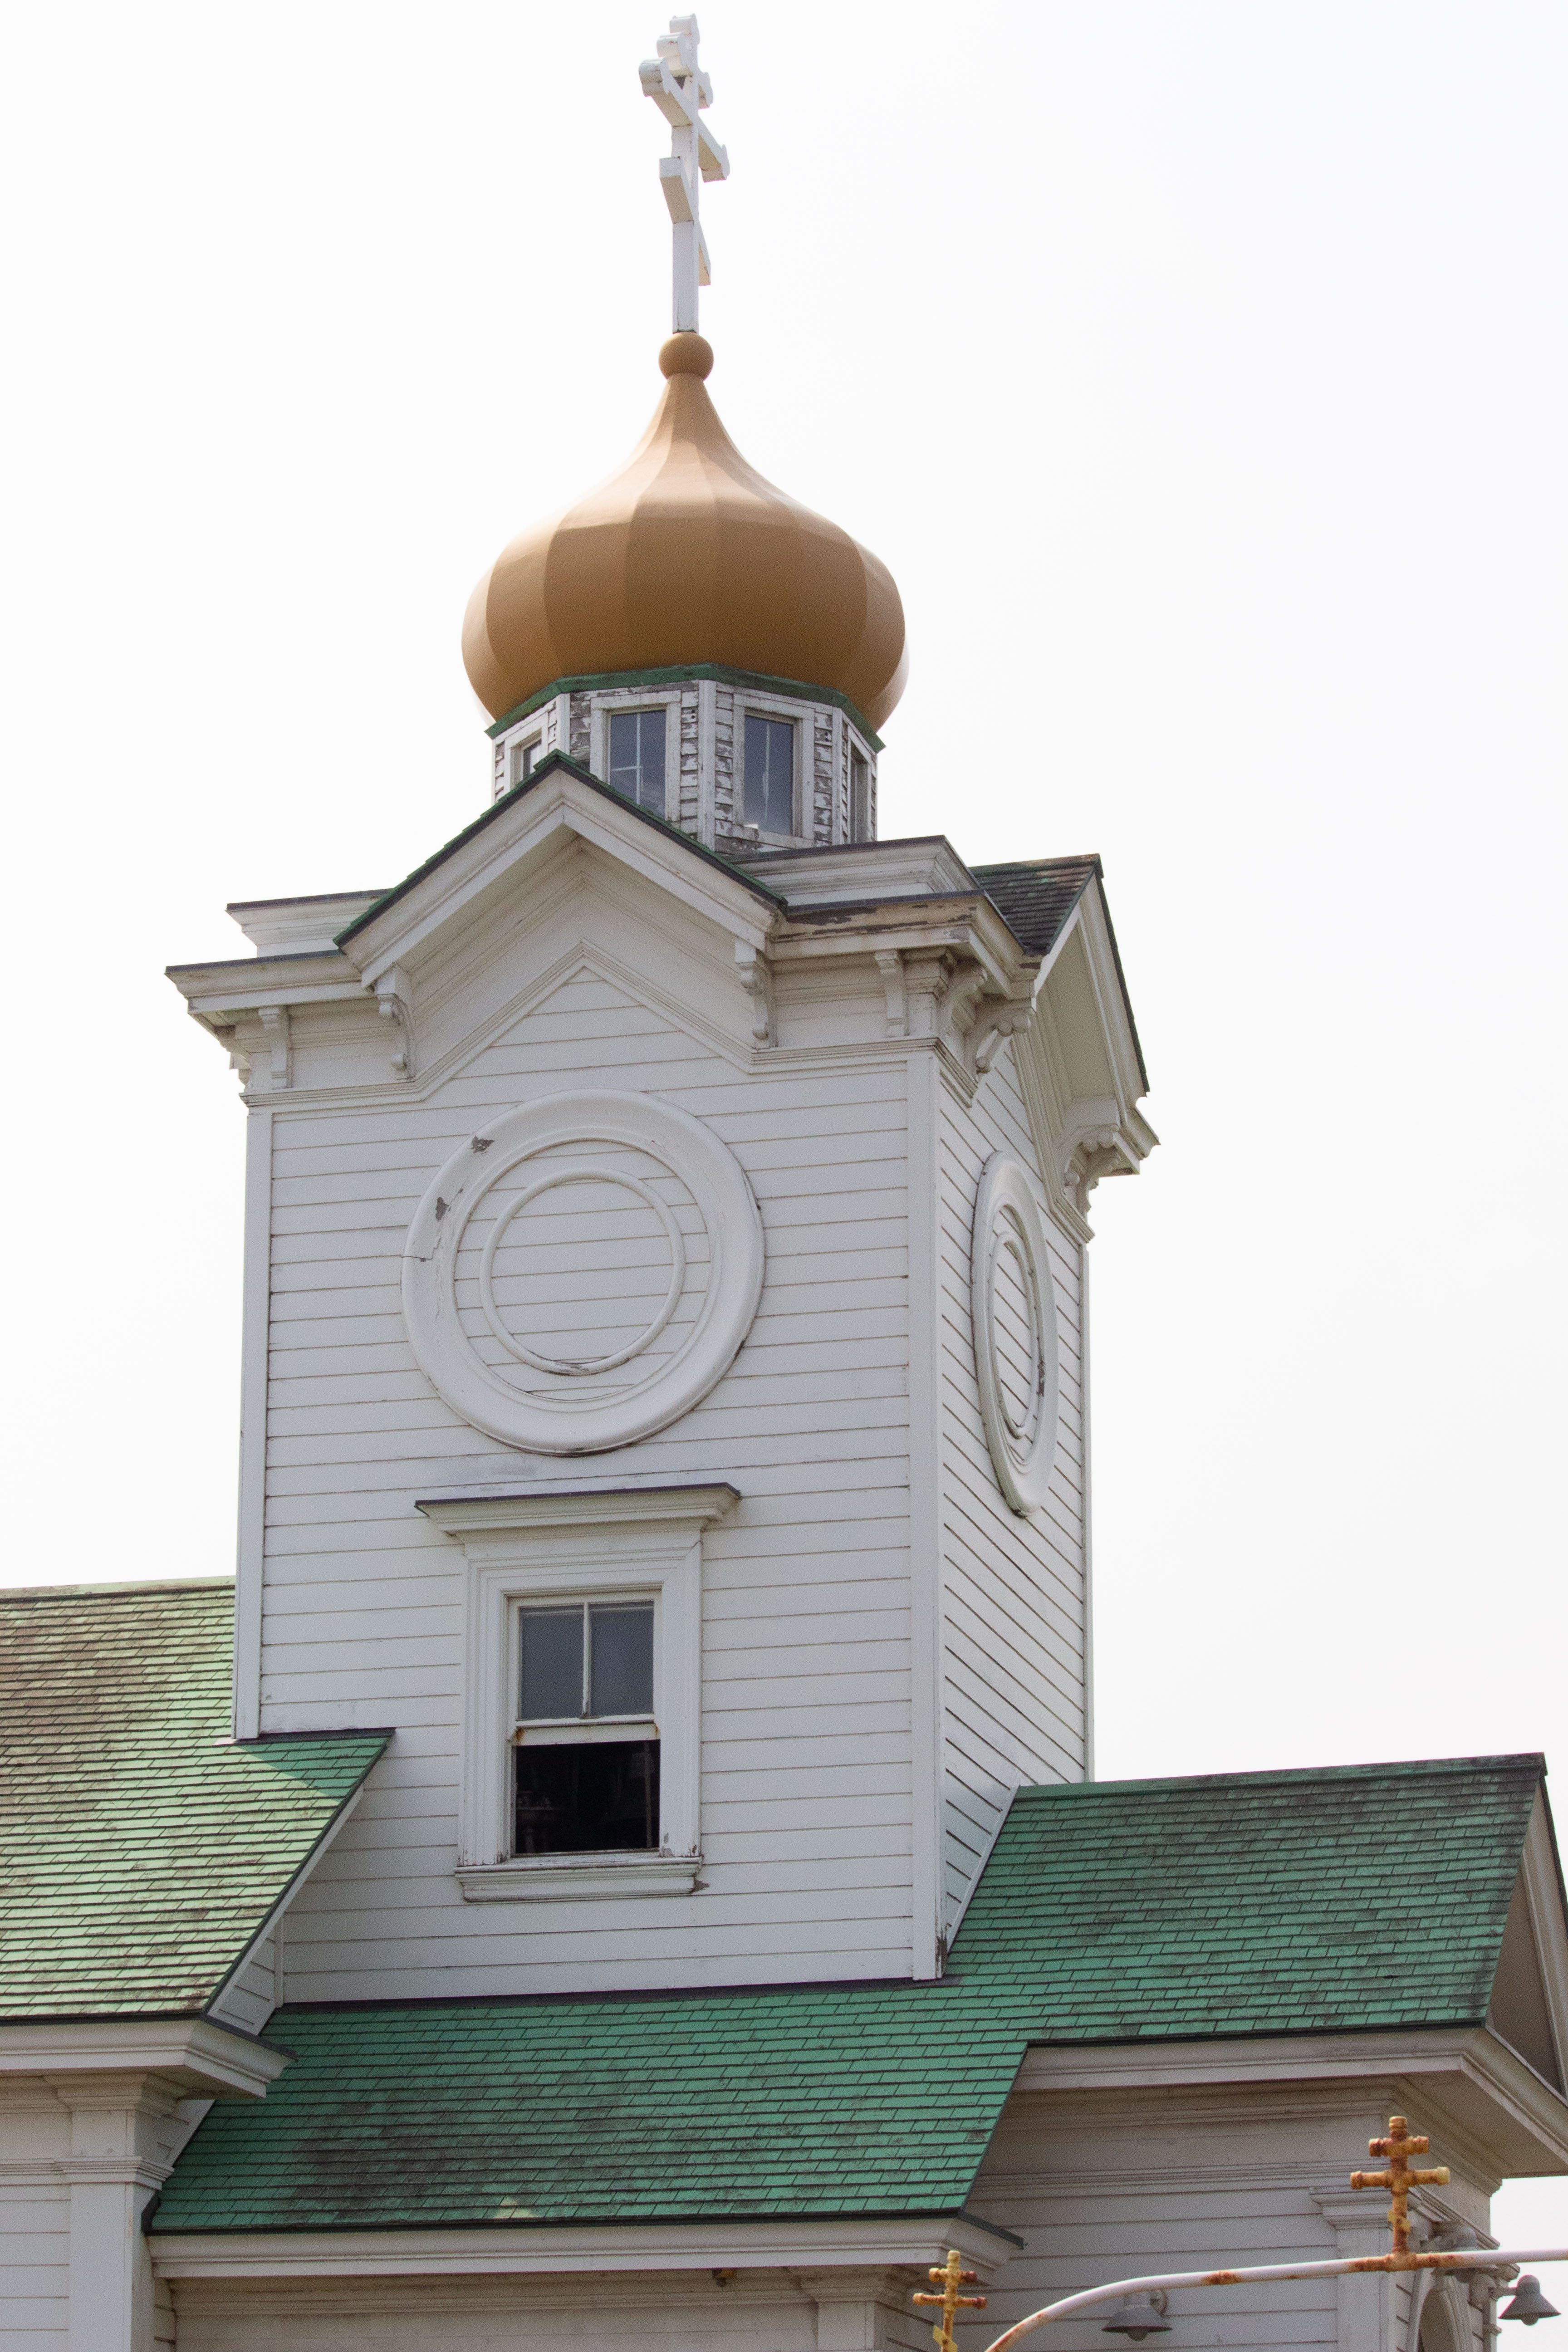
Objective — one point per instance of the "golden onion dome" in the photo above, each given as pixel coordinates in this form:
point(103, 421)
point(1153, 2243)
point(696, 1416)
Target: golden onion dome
point(687, 556)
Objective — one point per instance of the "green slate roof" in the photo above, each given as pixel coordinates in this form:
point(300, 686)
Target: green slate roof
point(1246, 1904)
point(141, 1848)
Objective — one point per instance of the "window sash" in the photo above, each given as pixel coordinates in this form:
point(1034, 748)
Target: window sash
point(610, 1605)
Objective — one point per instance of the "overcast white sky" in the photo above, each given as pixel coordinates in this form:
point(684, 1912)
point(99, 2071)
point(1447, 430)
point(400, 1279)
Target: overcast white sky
point(1198, 366)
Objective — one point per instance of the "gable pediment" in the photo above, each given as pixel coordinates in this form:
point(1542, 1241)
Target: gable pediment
point(1529, 2004)
point(505, 854)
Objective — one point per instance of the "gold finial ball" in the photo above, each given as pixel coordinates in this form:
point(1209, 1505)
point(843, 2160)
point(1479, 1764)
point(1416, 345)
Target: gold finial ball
point(687, 354)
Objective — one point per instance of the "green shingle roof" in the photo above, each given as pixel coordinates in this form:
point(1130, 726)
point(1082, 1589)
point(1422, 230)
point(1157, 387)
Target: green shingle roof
point(1261, 1903)
point(141, 1848)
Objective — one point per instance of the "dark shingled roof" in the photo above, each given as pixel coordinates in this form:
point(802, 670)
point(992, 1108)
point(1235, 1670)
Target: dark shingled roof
point(1243, 1904)
point(141, 1848)
point(1035, 896)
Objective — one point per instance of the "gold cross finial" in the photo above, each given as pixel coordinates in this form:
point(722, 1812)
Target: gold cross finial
point(1400, 2144)
point(950, 2278)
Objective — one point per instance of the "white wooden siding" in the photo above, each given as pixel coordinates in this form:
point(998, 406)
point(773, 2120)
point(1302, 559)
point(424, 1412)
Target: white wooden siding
point(35, 2255)
point(1108, 2185)
point(806, 1758)
point(1013, 1587)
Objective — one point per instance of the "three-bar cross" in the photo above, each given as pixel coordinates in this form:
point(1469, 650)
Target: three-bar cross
point(680, 89)
point(951, 2277)
point(1398, 2177)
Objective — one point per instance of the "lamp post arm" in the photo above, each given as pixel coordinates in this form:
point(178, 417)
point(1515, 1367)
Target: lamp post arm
point(1468, 2257)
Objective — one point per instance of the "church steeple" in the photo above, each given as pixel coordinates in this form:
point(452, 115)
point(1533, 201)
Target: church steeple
point(688, 570)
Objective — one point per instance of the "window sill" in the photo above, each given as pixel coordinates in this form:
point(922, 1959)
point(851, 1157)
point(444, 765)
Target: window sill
point(580, 1878)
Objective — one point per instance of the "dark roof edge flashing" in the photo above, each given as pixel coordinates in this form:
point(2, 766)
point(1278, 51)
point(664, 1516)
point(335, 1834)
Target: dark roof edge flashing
point(610, 2222)
point(1526, 1758)
point(677, 674)
point(551, 764)
point(128, 1587)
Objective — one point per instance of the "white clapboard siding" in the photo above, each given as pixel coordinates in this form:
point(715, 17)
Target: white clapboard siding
point(1013, 1586)
point(806, 1768)
point(1095, 2190)
point(35, 2256)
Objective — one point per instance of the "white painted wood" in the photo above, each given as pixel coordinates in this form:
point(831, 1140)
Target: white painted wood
point(534, 1547)
point(680, 89)
point(253, 1406)
point(881, 1654)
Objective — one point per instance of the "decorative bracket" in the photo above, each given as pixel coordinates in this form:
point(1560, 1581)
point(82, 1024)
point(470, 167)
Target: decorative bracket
point(396, 998)
point(755, 974)
point(927, 980)
point(1090, 1153)
point(274, 1021)
point(891, 964)
point(996, 1018)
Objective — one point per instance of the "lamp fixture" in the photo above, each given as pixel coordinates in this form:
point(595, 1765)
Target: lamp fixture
point(1138, 2315)
point(1528, 2304)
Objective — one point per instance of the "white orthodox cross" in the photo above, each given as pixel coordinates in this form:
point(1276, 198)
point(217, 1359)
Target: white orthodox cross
point(680, 89)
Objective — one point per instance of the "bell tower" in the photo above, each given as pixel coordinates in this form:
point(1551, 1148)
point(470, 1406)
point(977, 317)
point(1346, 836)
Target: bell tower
point(666, 1403)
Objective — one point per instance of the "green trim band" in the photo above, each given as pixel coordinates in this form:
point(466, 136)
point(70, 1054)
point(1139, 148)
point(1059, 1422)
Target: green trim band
point(607, 681)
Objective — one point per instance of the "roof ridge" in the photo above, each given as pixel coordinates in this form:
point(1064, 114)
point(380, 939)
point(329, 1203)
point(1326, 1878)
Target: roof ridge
point(1518, 1761)
point(118, 1586)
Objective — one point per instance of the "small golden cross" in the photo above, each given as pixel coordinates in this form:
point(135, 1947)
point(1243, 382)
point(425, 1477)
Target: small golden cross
point(1398, 2177)
point(950, 2278)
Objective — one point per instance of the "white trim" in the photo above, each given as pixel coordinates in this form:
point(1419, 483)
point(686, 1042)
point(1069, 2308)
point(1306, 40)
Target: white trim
point(251, 1529)
point(629, 699)
point(707, 758)
point(580, 1877)
point(670, 2246)
point(573, 1418)
point(1543, 1901)
point(535, 1547)
point(1086, 1423)
point(203, 2056)
point(1022, 1457)
point(928, 1732)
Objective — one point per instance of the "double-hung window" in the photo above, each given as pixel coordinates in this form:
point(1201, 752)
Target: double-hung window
point(525, 757)
point(768, 794)
point(586, 1740)
point(581, 1729)
point(636, 756)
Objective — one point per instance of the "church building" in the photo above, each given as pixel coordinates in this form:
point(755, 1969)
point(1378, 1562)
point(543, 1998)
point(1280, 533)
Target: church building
point(620, 1864)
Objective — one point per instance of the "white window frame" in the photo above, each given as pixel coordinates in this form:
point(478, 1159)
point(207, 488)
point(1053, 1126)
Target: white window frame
point(557, 1544)
point(802, 718)
point(515, 749)
point(628, 698)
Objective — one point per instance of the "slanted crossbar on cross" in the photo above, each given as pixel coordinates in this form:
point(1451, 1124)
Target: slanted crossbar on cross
point(1397, 2143)
point(680, 90)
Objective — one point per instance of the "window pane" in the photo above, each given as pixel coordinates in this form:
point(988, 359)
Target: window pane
point(621, 1660)
point(588, 1799)
point(552, 1664)
point(770, 773)
point(636, 756)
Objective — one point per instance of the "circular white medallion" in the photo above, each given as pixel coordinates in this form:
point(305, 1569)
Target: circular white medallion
point(1015, 1331)
point(583, 1271)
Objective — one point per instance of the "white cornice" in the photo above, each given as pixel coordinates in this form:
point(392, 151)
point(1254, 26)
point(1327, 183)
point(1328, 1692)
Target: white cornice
point(578, 1506)
point(203, 2058)
point(667, 2246)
